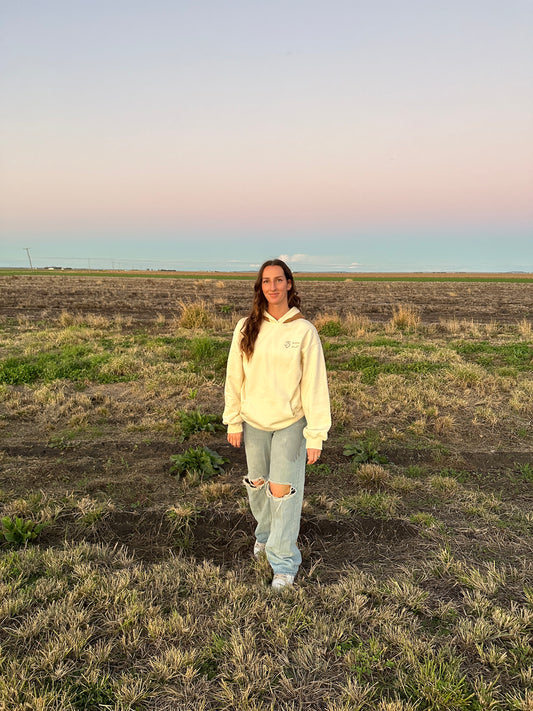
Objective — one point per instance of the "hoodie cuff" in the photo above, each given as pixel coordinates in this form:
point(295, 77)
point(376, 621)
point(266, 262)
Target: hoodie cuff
point(233, 429)
point(313, 443)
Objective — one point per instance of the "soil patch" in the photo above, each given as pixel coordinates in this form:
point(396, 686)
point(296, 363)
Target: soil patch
point(225, 538)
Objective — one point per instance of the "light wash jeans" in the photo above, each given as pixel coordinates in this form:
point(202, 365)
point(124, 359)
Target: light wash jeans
point(278, 457)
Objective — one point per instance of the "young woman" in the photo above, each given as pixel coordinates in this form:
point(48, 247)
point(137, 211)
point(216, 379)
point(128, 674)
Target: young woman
point(277, 401)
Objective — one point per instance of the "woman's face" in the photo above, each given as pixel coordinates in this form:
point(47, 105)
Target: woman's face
point(275, 286)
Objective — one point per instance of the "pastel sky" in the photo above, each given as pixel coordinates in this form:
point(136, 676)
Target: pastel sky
point(362, 135)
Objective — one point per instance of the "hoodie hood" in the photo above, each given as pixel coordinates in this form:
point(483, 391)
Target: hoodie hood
point(291, 313)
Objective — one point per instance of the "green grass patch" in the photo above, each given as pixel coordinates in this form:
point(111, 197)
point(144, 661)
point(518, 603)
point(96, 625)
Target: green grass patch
point(489, 355)
point(378, 505)
point(68, 363)
point(301, 276)
point(331, 329)
point(371, 367)
point(415, 471)
point(208, 356)
point(525, 471)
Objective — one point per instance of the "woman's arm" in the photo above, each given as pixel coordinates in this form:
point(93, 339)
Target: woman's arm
point(314, 391)
point(232, 389)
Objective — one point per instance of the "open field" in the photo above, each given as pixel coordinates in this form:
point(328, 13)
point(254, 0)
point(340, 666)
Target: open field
point(144, 298)
point(518, 277)
point(416, 590)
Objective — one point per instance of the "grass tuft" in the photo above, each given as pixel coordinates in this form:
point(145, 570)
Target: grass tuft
point(196, 315)
point(404, 317)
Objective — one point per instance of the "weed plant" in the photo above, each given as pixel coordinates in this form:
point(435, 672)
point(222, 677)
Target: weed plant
point(19, 531)
point(364, 451)
point(200, 460)
point(196, 421)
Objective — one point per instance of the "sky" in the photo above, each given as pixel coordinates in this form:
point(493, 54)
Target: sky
point(342, 135)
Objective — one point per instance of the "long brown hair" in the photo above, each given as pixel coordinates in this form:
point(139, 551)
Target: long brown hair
point(252, 325)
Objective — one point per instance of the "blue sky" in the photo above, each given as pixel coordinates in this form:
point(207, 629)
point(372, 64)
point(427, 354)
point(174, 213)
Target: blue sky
point(347, 135)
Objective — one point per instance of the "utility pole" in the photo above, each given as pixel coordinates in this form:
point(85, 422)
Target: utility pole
point(28, 252)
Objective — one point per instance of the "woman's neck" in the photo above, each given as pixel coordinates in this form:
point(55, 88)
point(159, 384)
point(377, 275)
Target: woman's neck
point(278, 310)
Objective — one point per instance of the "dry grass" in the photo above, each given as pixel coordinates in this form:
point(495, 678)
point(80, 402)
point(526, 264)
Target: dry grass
point(372, 475)
point(357, 325)
point(130, 636)
point(197, 315)
point(525, 329)
point(404, 316)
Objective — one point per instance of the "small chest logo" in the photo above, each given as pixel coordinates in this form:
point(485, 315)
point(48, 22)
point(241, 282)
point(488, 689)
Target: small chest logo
point(291, 344)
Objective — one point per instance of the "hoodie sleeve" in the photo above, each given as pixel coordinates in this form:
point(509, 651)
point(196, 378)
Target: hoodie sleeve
point(314, 391)
point(234, 381)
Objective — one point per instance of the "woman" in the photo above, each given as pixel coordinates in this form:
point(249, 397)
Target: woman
point(277, 400)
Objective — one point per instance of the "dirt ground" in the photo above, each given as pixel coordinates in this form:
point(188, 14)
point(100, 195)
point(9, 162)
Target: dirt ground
point(143, 298)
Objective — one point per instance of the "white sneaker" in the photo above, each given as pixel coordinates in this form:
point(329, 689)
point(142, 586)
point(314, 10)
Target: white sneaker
point(259, 548)
point(282, 580)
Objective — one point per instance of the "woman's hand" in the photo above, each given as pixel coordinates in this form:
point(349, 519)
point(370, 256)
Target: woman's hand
point(313, 455)
point(235, 439)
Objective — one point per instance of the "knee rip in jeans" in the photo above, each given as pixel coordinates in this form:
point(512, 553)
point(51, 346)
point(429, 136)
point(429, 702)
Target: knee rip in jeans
point(258, 484)
point(288, 495)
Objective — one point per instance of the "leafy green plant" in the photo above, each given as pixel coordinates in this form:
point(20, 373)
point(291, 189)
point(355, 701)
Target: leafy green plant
point(19, 530)
point(364, 451)
point(208, 662)
point(201, 461)
point(196, 421)
point(62, 441)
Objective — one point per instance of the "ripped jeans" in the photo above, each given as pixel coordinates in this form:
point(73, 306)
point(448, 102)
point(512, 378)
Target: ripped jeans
point(278, 457)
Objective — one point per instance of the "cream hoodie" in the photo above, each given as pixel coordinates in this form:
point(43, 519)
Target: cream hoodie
point(284, 380)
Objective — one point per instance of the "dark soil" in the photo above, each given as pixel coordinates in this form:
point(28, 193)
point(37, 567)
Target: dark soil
point(224, 537)
point(142, 299)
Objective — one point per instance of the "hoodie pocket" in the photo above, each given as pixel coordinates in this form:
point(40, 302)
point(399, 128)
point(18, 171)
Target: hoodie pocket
point(266, 412)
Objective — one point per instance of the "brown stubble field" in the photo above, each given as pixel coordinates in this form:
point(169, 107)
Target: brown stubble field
point(143, 298)
point(426, 542)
